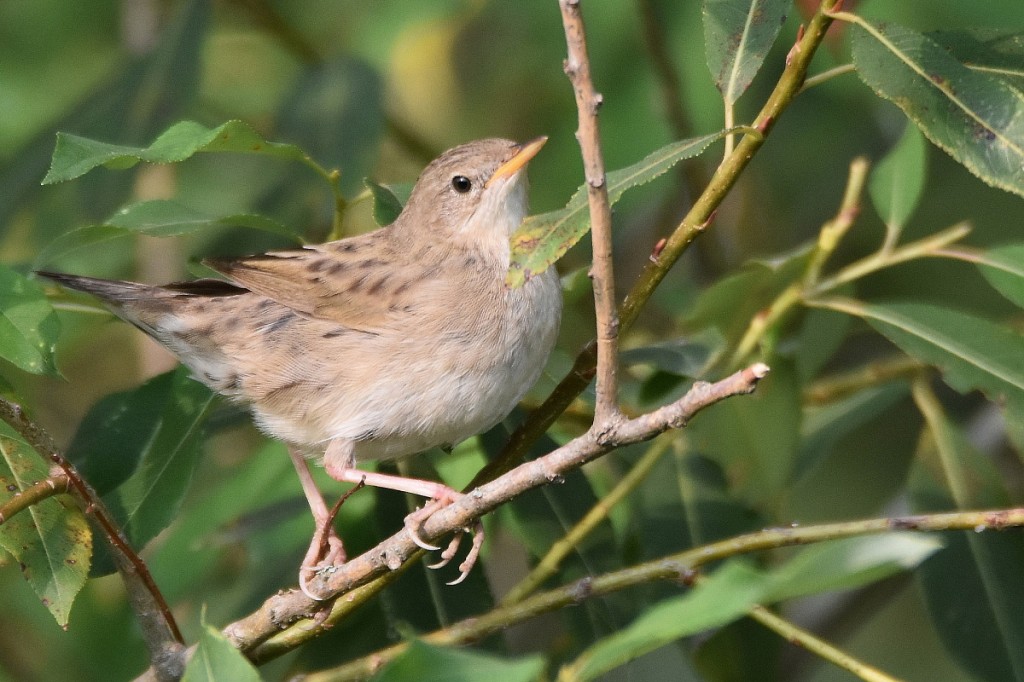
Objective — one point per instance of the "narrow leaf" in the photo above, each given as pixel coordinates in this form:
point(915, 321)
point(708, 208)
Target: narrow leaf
point(74, 156)
point(992, 51)
point(734, 589)
point(50, 540)
point(425, 663)
point(1003, 267)
point(973, 353)
point(975, 117)
point(543, 239)
point(898, 180)
point(737, 37)
point(28, 324)
point(157, 218)
point(722, 598)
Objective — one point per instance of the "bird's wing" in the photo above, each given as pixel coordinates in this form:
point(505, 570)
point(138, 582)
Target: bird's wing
point(356, 282)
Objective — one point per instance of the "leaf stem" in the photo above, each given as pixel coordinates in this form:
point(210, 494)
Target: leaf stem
point(827, 75)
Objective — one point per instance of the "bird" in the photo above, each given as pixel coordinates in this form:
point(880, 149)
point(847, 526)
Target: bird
point(373, 347)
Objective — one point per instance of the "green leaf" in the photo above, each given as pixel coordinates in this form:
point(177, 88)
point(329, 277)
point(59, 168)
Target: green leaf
point(215, 659)
point(734, 589)
point(543, 239)
point(117, 431)
point(388, 201)
point(973, 353)
point(898, 180)
point(688, 357)
point(979, 621)
point(975, 117)
point(156, 218)
point(149, 499)
point(51, 540)
point(74, 156)
point(992, 51)
point(1003, 267)
point(422, 662)
point(722, 598)
point(848, 564)
point(28, 324)
point(737, 37)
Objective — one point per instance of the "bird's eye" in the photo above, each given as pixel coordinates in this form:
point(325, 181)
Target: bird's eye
point(461, 184)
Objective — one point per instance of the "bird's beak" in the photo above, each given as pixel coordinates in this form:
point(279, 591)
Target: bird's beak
point(527, 150)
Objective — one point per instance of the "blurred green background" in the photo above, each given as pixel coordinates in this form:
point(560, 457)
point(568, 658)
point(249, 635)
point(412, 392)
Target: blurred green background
point(377, 89)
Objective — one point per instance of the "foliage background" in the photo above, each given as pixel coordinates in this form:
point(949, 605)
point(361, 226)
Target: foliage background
point(377, 89)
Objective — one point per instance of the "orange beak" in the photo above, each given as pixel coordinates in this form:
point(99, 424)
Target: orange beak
point(527, 150)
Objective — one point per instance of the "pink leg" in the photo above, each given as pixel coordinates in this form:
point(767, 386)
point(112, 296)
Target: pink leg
point(340, 465)
point(326, 548)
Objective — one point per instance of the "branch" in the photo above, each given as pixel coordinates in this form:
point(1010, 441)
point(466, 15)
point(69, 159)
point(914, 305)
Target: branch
point(52, 486)
point(693, 224)
point(284, 609)
point(588, 101)
point(678, 568)
point(159, 630)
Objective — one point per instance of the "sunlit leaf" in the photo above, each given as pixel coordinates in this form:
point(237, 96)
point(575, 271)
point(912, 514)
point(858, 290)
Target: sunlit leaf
point(543, 239)
point(898, 179)
point(74, 156)
point(421, 662)
point(737, 37)
point(989, 50)
point(28, 324)
point(51, 540)
point(975, 117)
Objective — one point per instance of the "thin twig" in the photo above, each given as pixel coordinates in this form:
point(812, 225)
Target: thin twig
point(819, 647)
point(678, 568)
point(588, 101)
point(51, 486)
point(159, 629)
point(838, 386)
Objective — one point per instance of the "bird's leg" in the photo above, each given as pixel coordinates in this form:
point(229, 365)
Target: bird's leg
point(340, 466)
point(326, 548)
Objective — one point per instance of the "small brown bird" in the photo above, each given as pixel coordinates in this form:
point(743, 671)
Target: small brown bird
point(374, 347)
